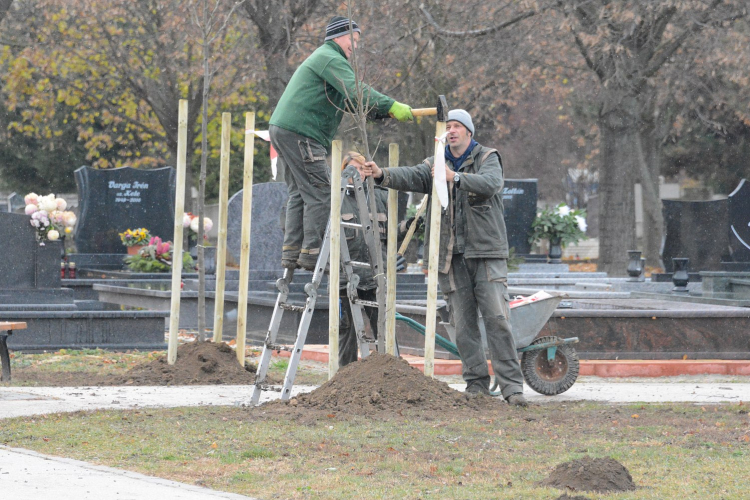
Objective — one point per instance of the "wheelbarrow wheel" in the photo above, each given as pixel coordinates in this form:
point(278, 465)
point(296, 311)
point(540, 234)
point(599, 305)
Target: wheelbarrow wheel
point(550, 377)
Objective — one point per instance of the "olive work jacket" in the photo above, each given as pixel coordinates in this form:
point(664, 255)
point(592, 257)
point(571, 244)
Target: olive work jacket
point(473, 223)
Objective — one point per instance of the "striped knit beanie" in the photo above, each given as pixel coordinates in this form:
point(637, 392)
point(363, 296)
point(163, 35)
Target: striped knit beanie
point(339, 26)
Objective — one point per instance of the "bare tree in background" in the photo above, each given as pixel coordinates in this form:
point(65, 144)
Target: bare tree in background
point(211, 21)
point(277, 23)
point(626, 46)
point(4, 7)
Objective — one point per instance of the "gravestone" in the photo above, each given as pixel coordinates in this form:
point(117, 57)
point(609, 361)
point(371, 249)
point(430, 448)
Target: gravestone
point(696, 230)
point(519, 204)
point(113, 200)
point(739, 222)
point(266, 238)
point(29, 272)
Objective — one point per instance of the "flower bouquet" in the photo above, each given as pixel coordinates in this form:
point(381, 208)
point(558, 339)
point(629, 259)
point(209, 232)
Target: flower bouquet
point(561, 225)
point(156, 257)
point(49, 217)
point(190, 222)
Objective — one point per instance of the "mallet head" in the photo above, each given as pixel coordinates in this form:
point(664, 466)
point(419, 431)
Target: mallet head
point(442, 109)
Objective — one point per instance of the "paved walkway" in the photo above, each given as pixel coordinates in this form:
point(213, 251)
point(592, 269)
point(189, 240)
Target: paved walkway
point(27, 475)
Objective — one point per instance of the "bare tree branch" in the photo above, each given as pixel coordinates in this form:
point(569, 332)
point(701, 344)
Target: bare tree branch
point(476, 33)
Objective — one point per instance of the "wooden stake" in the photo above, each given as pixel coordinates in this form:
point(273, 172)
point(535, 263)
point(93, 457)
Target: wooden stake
point(391, 252)
point(247, 212)
point(335, 259)
point(221, 244)
point(432, 269)
point(179, 213)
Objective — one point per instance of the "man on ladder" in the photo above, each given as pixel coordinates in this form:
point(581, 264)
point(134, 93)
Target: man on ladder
point(302, 126)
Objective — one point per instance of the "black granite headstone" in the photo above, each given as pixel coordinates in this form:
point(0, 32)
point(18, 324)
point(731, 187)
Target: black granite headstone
point(113, 200)
point(739, 222)
point(17, 264)
point(266, 236)
point(26, 264)
point(519, 204)
point(696, 230)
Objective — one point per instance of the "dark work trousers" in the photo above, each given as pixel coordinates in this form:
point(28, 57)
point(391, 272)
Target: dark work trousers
point(348, 343)
point(308, 180)
point(482, 283)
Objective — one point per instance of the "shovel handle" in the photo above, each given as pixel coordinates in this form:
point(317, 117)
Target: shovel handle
point(413, 227)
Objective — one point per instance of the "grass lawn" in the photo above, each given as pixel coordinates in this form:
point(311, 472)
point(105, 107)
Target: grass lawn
point(676, 451)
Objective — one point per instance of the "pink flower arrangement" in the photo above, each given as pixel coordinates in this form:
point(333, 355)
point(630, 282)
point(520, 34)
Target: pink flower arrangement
point(48, 216)
point(161, 248)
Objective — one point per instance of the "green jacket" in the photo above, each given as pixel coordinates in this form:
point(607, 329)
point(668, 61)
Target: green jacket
point(473, 223)
point(355, 239)
point(312, 102)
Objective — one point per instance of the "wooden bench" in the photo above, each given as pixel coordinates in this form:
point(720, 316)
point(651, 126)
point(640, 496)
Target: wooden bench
point(7, 328)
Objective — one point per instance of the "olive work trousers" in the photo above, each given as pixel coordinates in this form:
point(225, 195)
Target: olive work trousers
point(482, 283)
point(348, 342)
point(308, 179)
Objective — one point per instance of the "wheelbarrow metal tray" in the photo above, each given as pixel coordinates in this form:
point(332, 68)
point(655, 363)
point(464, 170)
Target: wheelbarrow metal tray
point(529, 315)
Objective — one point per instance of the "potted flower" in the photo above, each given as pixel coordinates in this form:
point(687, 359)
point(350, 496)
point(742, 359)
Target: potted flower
point(135, 239)
point(561, 225)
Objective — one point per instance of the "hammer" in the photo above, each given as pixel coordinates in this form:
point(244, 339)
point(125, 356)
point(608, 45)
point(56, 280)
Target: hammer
point(441, 111)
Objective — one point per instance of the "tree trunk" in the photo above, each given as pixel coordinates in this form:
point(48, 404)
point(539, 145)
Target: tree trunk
point(650, 145)
point(278, 73)
point(620, 163)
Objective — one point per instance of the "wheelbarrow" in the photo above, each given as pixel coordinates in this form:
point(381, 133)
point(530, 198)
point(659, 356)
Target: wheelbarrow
point(549, 364)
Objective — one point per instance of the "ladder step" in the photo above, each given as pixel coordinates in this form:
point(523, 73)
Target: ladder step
point(265, 387)
point(351, 225)
point(279, 347)
point(364, 265)
point(367, 303)
point(291, 307)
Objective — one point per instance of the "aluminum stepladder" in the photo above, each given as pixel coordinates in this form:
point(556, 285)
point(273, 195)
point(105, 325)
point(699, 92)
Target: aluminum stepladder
point(366, 206)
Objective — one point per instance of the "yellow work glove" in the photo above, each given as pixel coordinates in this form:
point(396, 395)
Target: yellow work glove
point(400, 112)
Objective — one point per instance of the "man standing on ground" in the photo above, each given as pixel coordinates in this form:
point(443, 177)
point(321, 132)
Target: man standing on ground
point(473, 267)
point(302, 127)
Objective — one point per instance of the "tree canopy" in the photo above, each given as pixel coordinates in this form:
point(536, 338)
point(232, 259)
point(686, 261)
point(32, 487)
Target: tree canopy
point(623, 91)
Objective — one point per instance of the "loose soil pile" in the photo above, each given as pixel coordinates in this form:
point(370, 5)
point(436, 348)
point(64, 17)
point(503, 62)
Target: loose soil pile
point(591, 474)
point(385, 384)
point(198, 363)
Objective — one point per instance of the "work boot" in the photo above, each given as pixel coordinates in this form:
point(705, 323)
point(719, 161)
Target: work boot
point(289, 258)
point(308, 260)
point(476, 388)
point(289, 264)
point(517, 399)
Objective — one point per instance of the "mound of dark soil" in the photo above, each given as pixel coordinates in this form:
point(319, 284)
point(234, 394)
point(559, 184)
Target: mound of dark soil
point(384, 383)
point(591, 474)
point(198, 363)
